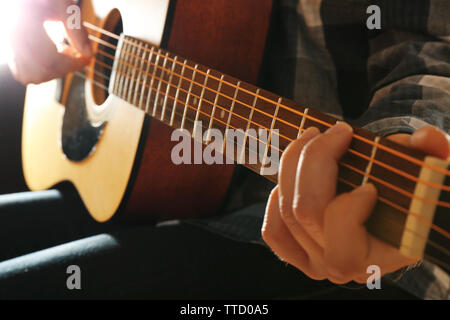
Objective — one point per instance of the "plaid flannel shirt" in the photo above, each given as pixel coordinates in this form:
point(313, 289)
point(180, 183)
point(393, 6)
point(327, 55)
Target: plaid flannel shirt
point(396, 79)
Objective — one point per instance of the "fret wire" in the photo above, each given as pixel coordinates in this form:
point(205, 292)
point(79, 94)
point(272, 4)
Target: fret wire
point(248, 126)
point(220, 94)
point(263, 163)
point(168, 88)
point(116, 63)
point(188, 97)
point(388, 149)
point(249, 92)
point(133, 83)
point(144, 84)
point(348, 166)
point(274, 119)
point(152, 80)
point(370, 164)
point(277, 118)
point(208, 138)
point(302, 124)
point(217, 105)
point(277, 163)
point(252, 94)
point(180, 79)
point(155, 104)
point(372, 144)
point(237, 143)
point(209, 116)
point(392, 151)
point(205, 82)
point(128, 72)
point(139, 78)
point(122, 68)
point(229, 117)
point(128, 57)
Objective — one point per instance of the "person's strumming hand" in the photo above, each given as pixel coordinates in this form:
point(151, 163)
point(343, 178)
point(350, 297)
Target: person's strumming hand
point(35, 57)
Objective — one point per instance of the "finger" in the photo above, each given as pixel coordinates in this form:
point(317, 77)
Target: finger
point(388, 258)
point(349, 248)
point(279, 239)
point(69, 13)
point(78, 38)
point(45, 63)
point(401, 138)
point(346, 238)
point(428, 139)
point(317, 176)
point(288, 171)
point(286, 179)
point(432, 141)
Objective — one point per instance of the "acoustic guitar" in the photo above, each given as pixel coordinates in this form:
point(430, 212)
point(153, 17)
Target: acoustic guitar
point(108, 129)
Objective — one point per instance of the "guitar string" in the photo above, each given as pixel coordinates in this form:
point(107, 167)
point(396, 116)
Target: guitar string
point(245, 146)
point(397, 171)
point(387, 184)
point(354, 169)
point(373, 143)
point(358, 154)
point(424, 221)
point(427, 241)
point(438, 247)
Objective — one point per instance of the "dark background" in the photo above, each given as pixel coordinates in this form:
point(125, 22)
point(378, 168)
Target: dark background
point(12, 96)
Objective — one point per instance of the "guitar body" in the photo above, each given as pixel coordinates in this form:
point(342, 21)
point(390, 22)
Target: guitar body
point(118, 158)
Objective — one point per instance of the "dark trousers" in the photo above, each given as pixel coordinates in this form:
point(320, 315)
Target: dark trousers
point(43, 233)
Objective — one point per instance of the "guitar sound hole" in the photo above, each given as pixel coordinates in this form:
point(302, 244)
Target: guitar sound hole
point(104, 58)
point(79, 137)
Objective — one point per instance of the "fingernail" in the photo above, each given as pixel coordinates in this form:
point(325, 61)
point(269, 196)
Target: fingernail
point(309, 133)
point(365, 189)
point(340, 127)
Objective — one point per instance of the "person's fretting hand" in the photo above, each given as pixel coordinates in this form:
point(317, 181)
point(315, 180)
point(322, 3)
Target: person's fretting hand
point(321, 233)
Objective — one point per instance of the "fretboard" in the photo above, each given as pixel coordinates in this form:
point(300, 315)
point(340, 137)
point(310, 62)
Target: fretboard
point(180, 93)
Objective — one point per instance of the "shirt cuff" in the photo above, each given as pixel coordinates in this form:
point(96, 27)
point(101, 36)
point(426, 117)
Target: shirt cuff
point(387, 126)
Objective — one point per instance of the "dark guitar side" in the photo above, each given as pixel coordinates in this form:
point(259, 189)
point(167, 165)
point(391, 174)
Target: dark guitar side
point(225, 35)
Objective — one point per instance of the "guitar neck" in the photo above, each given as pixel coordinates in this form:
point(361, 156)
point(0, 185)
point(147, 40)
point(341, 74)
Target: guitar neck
point(186, 95)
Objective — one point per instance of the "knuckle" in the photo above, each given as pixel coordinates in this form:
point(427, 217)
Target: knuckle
point(36, 79)
point(49, 67)
point(316, 276)
point(304, 213)
point(338, 275)
point(360, 279)
point(286, 214)
point(268, 236)
point(313, 147)
point(19, 77)
point(335, 206)
point(23, 78)
point(287, 217)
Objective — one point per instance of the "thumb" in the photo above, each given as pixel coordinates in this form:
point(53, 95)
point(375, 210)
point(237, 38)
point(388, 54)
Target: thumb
point(69, 13)
point(76, 32)
point(346, 238)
